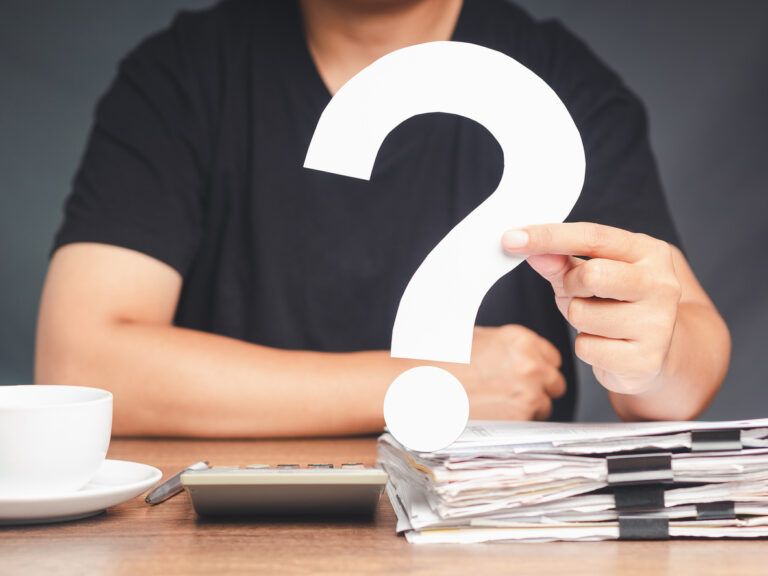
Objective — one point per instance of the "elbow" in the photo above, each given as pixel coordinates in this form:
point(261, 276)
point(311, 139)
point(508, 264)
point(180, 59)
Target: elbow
point(61, 361)
point(68, 351)
point(73, 360)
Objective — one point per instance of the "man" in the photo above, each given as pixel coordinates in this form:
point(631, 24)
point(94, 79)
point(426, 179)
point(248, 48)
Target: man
point(219, 289)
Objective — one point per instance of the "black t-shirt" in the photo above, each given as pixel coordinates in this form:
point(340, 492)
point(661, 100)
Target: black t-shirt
point(196, 153)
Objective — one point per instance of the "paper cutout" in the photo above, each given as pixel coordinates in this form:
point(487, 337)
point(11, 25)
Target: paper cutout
point(543, 175)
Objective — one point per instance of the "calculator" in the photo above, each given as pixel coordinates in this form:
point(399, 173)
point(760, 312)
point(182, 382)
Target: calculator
point(289, 490)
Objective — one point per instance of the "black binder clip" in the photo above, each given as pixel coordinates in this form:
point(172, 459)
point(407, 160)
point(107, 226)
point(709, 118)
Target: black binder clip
point(643, 528)
point(640, 468)
point(716, 511)
point(638, 498)
point(715, 440)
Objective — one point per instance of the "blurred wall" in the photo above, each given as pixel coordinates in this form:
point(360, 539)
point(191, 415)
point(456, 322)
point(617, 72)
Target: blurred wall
point(701, 66)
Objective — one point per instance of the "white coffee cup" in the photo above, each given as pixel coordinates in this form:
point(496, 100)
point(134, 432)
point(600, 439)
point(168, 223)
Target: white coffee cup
point(53, 439)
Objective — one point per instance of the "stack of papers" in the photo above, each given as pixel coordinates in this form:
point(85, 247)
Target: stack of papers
point(543, 481)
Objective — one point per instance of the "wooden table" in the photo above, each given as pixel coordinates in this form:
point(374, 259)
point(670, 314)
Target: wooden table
point(135, 538)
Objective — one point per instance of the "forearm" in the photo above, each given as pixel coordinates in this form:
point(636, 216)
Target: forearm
point(696, 366)
point(171, 381)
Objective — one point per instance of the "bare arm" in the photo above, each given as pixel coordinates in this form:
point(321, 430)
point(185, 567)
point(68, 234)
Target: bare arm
point(105, 321)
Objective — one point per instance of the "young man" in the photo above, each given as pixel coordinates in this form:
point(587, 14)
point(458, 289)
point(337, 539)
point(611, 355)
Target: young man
point(217, 288)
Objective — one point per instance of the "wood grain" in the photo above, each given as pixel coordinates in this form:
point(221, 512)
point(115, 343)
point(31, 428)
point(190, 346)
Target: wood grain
point(135, 538)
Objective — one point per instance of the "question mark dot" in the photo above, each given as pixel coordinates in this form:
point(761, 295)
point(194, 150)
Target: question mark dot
point(426, 408)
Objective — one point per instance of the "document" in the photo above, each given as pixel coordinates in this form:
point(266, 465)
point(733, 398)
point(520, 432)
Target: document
point(589, 437)
point(548, 481)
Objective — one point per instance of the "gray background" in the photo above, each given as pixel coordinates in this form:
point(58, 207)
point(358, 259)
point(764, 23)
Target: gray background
point(700, 66)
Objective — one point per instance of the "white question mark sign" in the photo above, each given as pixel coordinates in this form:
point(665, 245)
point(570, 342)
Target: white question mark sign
point(426, 408)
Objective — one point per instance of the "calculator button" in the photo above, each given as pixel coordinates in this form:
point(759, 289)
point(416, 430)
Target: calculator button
point(320, 465)
point(353, 465)
point(287, 466)
point(257, 466)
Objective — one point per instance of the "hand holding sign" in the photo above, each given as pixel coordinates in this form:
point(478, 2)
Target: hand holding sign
point(623, 301)
point(426, 408)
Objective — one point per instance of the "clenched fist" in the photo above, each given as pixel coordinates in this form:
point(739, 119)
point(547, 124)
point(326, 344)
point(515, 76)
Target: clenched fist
point(513, 375)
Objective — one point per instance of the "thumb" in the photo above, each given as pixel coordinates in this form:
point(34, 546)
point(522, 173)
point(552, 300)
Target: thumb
point(553, 268)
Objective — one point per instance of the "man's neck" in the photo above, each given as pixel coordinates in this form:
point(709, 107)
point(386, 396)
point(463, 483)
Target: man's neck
point(345, 36)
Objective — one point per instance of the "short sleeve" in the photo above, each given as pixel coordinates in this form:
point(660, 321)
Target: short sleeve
point(622, 187)
point(141, 181)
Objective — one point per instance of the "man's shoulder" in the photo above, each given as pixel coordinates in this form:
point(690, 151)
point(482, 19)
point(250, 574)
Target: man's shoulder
point(199, 49)
point(548, 48)
point(203, 34)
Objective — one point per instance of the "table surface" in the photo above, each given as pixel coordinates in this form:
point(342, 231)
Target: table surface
point(135, 538)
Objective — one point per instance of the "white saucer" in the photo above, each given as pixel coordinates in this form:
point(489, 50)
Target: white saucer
point(117, 481)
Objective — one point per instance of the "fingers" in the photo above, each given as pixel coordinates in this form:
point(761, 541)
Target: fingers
point(605, 279)
point(554, 268)
point(505, 408)
point(528, 341)
point(544, 409)
point(541, 377)
point(605, 353)
point(554, 384)
point(549, 352)
point(606, 318)
point(578, 239)
point(585, 279)
point(538, 361)
point(621, 358)
point(519, 372)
